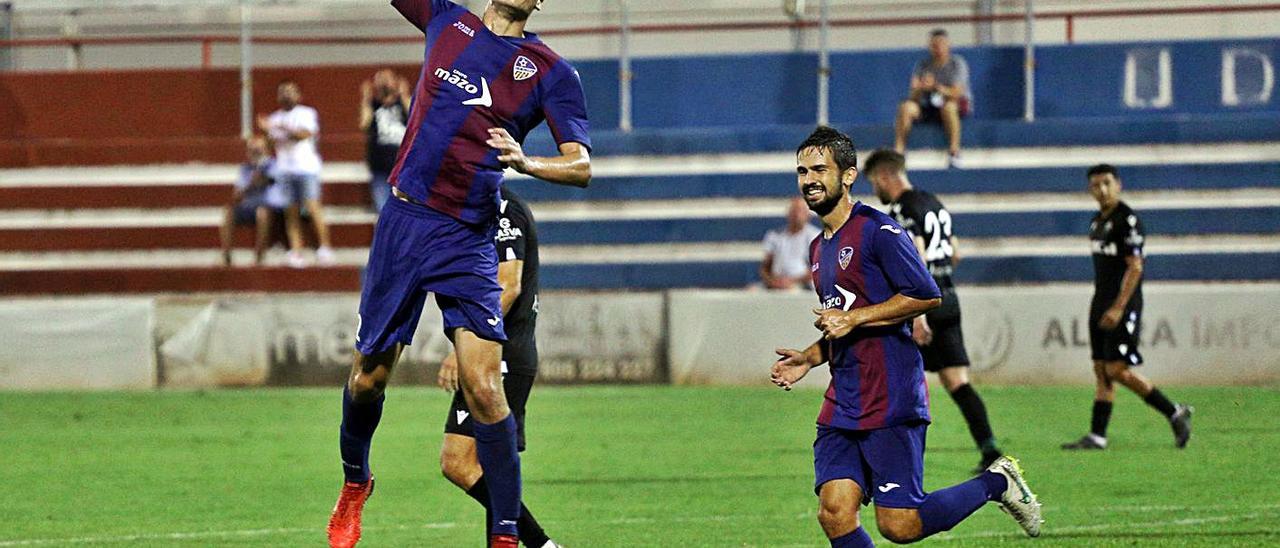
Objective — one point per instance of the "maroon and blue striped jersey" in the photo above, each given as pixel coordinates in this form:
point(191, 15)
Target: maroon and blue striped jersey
point(473, 80)
point(877, 374)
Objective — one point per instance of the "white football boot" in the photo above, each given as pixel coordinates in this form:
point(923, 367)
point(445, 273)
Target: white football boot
point(1017, 500)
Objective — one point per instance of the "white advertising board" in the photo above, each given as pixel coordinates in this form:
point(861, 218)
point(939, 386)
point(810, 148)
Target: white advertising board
point(1191, 333)
point(61, 344)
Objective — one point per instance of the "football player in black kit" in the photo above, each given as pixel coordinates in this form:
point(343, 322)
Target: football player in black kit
point(517, 241)
point(937, 333)
point(1115, 315)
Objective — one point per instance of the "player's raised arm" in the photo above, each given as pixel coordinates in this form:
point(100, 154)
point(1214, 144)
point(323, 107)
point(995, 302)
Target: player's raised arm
point(420, 12)
point(572, 167)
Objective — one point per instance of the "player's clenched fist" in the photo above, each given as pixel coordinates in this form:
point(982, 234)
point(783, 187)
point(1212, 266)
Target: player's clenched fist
point(509, 150)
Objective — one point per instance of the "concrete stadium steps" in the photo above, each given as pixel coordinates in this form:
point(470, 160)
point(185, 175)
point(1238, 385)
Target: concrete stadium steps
point(1044, 132)
point(80, 281)
point(152, 196)
point(1009, 270)
point(641, 266)
point(686, 223)
point(603, 276)
point(761, 175)
point(153, 237)
point(777, 183)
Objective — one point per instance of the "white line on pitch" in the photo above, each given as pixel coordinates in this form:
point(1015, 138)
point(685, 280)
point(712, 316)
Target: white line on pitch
point(1068, 529)
point(1268, 511)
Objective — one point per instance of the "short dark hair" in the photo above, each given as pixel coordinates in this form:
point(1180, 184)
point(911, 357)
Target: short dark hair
point(1102, 169)
point(840, 145)
point(938, 32)
point(884, 158)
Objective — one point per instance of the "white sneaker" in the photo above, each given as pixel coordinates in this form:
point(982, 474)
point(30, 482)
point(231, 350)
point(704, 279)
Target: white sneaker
point(551, 544)
point(1017, 500)
point(296, 260)
point(325, 256)
point(954, 162)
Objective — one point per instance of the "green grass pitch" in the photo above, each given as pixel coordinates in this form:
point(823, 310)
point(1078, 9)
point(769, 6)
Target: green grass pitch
point(608, 466)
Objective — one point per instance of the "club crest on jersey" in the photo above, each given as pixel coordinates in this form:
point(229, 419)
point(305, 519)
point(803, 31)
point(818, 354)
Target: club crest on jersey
point(524, 69)
point(846, 255)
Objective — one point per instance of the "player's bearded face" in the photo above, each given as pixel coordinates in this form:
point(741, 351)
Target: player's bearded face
point(819, 180)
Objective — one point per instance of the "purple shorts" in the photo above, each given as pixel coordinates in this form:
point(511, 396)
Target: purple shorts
point(417, 250)
point(886, 463)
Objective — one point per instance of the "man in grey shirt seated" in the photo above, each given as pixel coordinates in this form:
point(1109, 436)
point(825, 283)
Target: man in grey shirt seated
point(939, 92)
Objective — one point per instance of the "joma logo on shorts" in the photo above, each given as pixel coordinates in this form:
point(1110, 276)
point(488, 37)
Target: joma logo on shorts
point(458, 79)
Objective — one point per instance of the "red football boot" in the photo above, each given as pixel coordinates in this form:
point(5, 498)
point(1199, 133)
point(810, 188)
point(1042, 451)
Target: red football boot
point(504, 541)
point(344, 524)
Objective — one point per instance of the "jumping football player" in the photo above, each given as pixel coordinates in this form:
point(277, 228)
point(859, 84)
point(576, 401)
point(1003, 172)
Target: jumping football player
point(937, 332)
point(485, 84)
point(517, 242)
point(1115, 315)
point(870, 443)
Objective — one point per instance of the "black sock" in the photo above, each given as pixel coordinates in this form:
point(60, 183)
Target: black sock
point(1162, 404)
point(1101, 416)
point(531, 533)
point(975, 413)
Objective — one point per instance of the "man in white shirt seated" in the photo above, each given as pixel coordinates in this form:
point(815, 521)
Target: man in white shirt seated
point(786, 250)
point(294, 129)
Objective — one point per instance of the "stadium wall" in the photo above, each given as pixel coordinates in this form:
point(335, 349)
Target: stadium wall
point(82, 344)
point(177, 116)
point(1210, 334)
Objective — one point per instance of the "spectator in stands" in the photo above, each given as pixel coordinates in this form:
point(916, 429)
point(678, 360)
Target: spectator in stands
point(384, 116)
point(786, 250)
point(294, 129)
point(251, 203)
point(939, 92)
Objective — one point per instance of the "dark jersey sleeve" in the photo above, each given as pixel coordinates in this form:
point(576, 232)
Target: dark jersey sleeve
point(513, 228)
point(420, 12)
point(896, 254)
point(1128, 236)
point(565, 107)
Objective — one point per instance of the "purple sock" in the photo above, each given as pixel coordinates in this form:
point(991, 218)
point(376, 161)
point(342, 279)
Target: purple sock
point(856, 539)
point(500, 461)
point(356, 433)
point(943, 509)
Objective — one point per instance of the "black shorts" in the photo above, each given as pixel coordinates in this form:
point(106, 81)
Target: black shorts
point(245, 214)
point(1119, 344)
point(516, 386)
point(947, 348)
point(930, 113)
